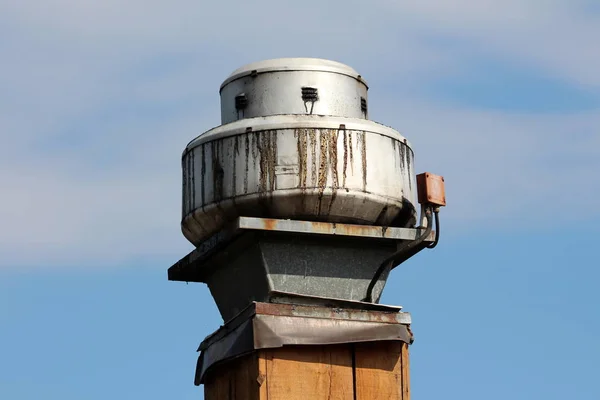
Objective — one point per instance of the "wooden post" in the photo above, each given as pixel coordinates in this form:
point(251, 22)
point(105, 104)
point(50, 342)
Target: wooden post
point(357, 371)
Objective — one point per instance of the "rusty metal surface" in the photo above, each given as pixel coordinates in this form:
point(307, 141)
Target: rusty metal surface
point(273, 325)
point(328, 228)
point(292, 310)
point(316, 168)
point(430, 189)
point(275, 331)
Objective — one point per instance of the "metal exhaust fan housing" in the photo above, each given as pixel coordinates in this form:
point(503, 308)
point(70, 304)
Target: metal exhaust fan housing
point(297, 197)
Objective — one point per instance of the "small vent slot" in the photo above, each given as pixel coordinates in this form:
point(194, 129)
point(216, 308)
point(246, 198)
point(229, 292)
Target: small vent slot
point(241, 101)
point(310, 94)
point(363, 105)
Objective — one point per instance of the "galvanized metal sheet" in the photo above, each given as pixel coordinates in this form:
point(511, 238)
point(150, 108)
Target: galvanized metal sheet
point(257, 259)
point(272, 331)
point(275, 326)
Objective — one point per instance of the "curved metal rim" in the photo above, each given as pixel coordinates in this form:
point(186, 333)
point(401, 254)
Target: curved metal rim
point(294, 121)
point(203, 210)
point(295, 64)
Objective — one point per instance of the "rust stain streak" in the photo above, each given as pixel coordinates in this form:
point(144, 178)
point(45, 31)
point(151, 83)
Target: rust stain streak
point(254, 147)
point(273, 159)
point(203, 175)
point(247, 149)
point(408, 165)
point(267, 149)
point(186, 180)
point(345, 158)
point(302, 161)
point(402, 156)
point(217, 171)
point(363, 149)
point(186, 185)
point(184, 207)
point(313, 145)
point(192, 174)
point(236, 152)
point(323, 161)
point(326, 312)
point(222, 163)
point(333, 165)
point(350, 152)
point(262, 180)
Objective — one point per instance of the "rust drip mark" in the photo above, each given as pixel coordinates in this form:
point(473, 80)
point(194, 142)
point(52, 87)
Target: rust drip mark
point(269, 224)
point(184, 189)
point(333, 138)
point(267, 149)
point(273, 159)
point(333, 165)
point(393, 143)
point(407, 151)
point(203, 174)
point(345, 158)
point(223, 163)
point(323, 167)
point(247, 145)
point(254, 147)
point(217, 171)
point(363, 150)
point(350, 152)
point(402, 155)
point(313, 146)
point(186, 186)
point(192, 174)
point(187, 180)
point(262, 178)
point(302, 161)
point(405, 162)
point(236, 152)
point(185, 169)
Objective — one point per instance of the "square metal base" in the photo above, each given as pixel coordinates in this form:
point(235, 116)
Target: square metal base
point(262, 259)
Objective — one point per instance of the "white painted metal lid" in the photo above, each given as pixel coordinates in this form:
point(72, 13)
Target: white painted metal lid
point(294, 64)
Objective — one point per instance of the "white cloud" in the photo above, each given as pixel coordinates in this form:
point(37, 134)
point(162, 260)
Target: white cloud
point(555, 36)
point(99, 98)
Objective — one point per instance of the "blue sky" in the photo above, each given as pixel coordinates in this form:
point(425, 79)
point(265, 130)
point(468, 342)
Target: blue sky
point(98, 99)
